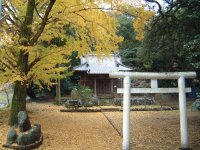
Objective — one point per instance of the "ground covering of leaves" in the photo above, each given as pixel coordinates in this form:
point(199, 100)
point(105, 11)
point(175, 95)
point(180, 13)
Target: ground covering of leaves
point(82, 131)
point(68, 131)
point(158, 130)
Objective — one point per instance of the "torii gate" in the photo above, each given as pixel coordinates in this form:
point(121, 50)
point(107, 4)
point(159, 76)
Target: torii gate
point(180, 76)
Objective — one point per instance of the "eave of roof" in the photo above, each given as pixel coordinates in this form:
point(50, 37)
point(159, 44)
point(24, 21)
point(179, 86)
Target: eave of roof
point(103, 66)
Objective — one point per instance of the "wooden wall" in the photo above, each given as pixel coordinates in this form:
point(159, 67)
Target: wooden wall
point(104, 84)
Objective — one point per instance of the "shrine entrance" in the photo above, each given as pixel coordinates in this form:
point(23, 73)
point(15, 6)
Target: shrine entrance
point(154, 77)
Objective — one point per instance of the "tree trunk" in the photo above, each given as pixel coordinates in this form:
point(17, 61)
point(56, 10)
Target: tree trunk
point(18, 102)
point(58, 92)
point(20, 87)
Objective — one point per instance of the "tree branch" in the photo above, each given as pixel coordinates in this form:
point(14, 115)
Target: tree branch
point(158, 4)
point(38, 12)
point(36, 60)
point(90, 21)
point(4, 64)
point(44, 21)
point(10, 57)
point(33, 63)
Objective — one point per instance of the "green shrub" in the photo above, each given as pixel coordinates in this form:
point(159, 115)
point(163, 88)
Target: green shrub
point(196, 104)
point(85, 94)
point(75, 94)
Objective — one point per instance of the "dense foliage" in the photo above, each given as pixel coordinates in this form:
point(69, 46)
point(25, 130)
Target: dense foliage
point(130, 45)
point(29, 54)
point(196, 104)
point(172, 39)
point(82, 93)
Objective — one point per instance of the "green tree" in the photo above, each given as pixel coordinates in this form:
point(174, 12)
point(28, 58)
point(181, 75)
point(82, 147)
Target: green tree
point(171, 40)
point(130, 46)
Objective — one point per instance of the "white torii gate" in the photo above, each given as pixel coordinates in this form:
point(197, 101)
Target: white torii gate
point(180, 76)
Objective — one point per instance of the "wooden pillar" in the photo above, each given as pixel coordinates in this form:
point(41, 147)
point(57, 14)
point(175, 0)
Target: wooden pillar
point(111, 88)
point(56, 89)
point(58, 92)
point(95, 87)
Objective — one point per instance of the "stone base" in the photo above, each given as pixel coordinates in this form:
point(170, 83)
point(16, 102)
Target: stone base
point(186, 148)
point(80, 110)
point(25, 147)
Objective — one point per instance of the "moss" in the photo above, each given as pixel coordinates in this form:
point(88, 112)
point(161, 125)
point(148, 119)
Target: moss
point(16, 107)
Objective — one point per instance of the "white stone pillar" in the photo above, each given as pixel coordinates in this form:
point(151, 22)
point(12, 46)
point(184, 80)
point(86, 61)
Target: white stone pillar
point(183, 113)
point(126, 114)
point(154, 84)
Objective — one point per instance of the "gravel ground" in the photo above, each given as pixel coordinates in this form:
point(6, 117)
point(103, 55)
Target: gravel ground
point(158, 130)
point(92, 131)
point(69, 131)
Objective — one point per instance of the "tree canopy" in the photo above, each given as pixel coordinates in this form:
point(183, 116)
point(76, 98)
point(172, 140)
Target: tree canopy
point(130, 45)
point(33, 22)
point(172, 40)
point(28, 53)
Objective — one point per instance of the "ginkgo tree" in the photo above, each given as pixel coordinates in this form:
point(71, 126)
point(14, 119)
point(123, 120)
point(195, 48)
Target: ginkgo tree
point(27, 54)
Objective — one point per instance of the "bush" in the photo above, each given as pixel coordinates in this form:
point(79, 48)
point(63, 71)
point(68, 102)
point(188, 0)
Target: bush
point(75, 94)
point(83, 93)
point(196, 104)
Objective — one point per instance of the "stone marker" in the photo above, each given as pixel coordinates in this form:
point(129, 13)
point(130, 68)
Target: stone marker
point(23, 121)
point(29, 137)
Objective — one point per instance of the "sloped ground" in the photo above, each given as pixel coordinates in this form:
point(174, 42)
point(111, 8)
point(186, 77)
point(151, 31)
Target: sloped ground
point(91, 131)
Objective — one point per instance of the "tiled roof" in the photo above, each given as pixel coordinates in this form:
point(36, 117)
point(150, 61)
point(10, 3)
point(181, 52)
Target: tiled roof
point(101, 65)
